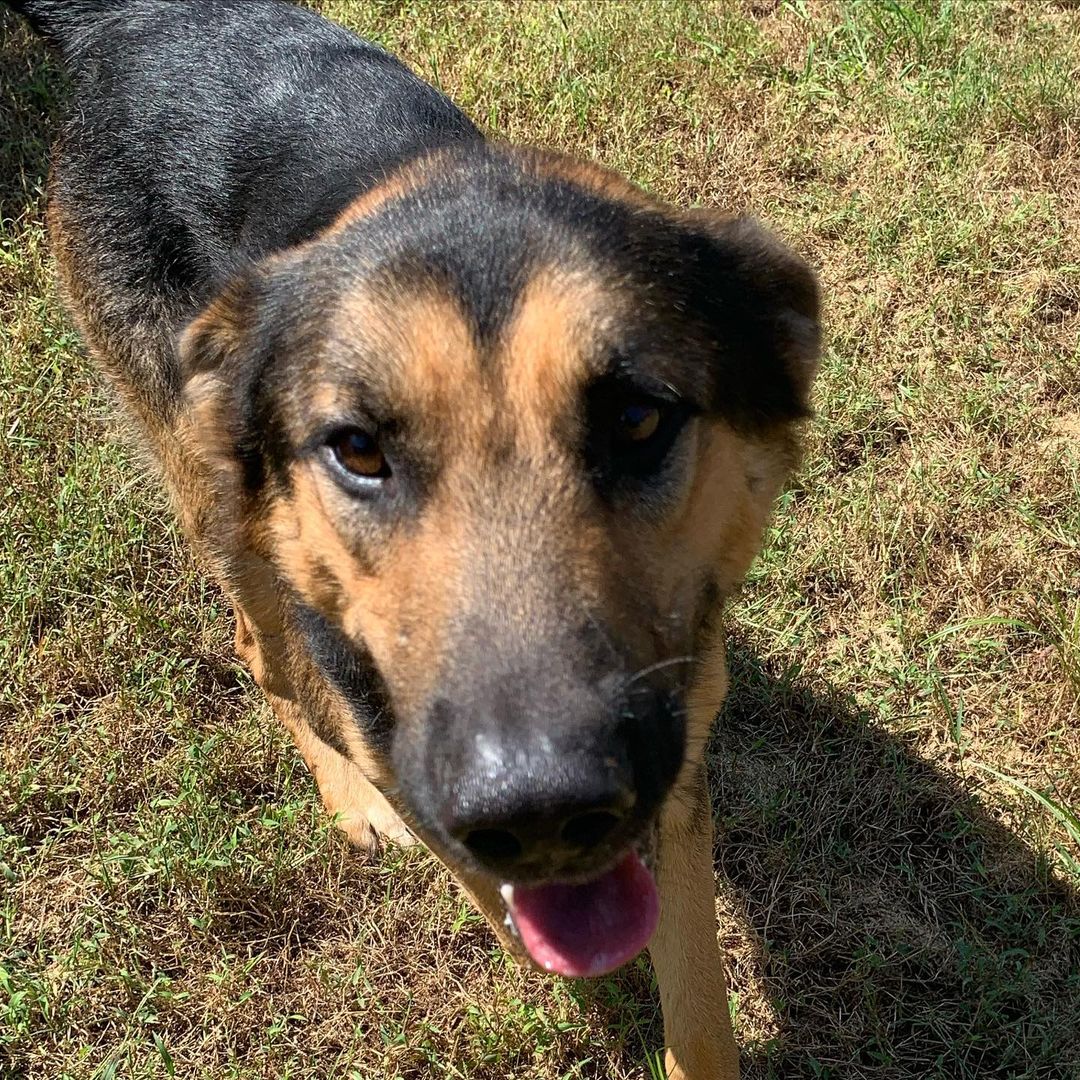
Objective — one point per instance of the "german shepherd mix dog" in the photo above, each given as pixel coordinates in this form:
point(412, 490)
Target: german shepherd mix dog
point(476, 439)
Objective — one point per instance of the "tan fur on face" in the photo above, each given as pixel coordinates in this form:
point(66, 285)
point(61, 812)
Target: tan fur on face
point(550, 349)
point(418, 350)
point(395, 600)
point(510, 505)
point(400, 599)
point(397, 608)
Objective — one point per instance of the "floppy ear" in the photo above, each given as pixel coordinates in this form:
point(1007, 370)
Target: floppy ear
point(760, 290)
point(219, 353)
point(218, 336)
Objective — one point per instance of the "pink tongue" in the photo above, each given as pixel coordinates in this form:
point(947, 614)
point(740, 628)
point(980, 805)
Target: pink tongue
point(586, 930)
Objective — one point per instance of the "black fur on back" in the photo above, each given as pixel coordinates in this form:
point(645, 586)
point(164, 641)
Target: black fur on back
point(205, 134)
point(60, 20)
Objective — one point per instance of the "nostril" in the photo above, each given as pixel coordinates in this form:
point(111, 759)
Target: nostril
point(588, 830)
point(493, 845)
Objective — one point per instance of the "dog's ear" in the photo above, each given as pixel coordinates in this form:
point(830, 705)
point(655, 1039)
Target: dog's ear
point(219, 356)
point(218, 335)
point(752, 287)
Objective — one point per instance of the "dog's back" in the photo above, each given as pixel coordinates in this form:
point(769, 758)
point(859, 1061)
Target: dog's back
point(220, 131)
point(250, 122)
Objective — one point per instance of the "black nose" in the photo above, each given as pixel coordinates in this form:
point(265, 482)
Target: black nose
point(516, 818)
point(544, 770)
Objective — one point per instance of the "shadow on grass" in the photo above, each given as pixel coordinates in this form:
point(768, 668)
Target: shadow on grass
point(901, 931)
point(30, 88)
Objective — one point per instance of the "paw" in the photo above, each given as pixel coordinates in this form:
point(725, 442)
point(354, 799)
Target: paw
point(375, 827)
point(384, 820)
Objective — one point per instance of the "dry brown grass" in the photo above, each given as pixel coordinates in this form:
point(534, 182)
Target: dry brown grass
point(172, 901)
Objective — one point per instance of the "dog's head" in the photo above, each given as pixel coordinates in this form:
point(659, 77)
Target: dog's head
point(506, 434)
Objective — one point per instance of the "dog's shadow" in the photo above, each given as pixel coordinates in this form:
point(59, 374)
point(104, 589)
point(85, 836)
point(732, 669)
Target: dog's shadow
point(881, 923)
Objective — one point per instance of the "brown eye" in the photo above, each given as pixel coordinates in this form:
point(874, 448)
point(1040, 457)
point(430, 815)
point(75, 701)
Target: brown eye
point(630, 433)
point(359, 455)
point(639, 422)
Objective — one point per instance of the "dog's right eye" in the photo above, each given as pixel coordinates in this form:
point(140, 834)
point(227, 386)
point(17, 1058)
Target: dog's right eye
point(357, 454)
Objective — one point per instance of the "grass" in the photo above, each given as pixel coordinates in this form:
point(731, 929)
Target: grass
point(896, 774)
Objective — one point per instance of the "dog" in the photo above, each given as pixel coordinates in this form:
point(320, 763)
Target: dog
point(476, 438)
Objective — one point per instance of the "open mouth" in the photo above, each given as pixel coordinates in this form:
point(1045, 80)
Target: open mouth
point(589, 929)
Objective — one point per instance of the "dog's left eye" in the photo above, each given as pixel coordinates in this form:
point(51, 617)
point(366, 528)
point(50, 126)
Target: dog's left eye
point(641, 431)
point(630, 434)
point(638, 422)
point(358, 454)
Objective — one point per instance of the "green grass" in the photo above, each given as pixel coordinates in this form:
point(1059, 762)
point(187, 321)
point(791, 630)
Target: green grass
point(896, 774)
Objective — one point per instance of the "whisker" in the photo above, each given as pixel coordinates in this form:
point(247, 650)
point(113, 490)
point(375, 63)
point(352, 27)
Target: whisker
point(658, 666)
point(678, 688)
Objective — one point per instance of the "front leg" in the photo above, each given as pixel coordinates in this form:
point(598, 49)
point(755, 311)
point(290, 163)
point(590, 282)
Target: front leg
point(685, 954)
point(361, 810)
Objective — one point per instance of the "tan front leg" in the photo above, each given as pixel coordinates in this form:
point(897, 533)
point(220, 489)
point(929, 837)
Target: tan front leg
point(360, 809)
point(685, 954)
